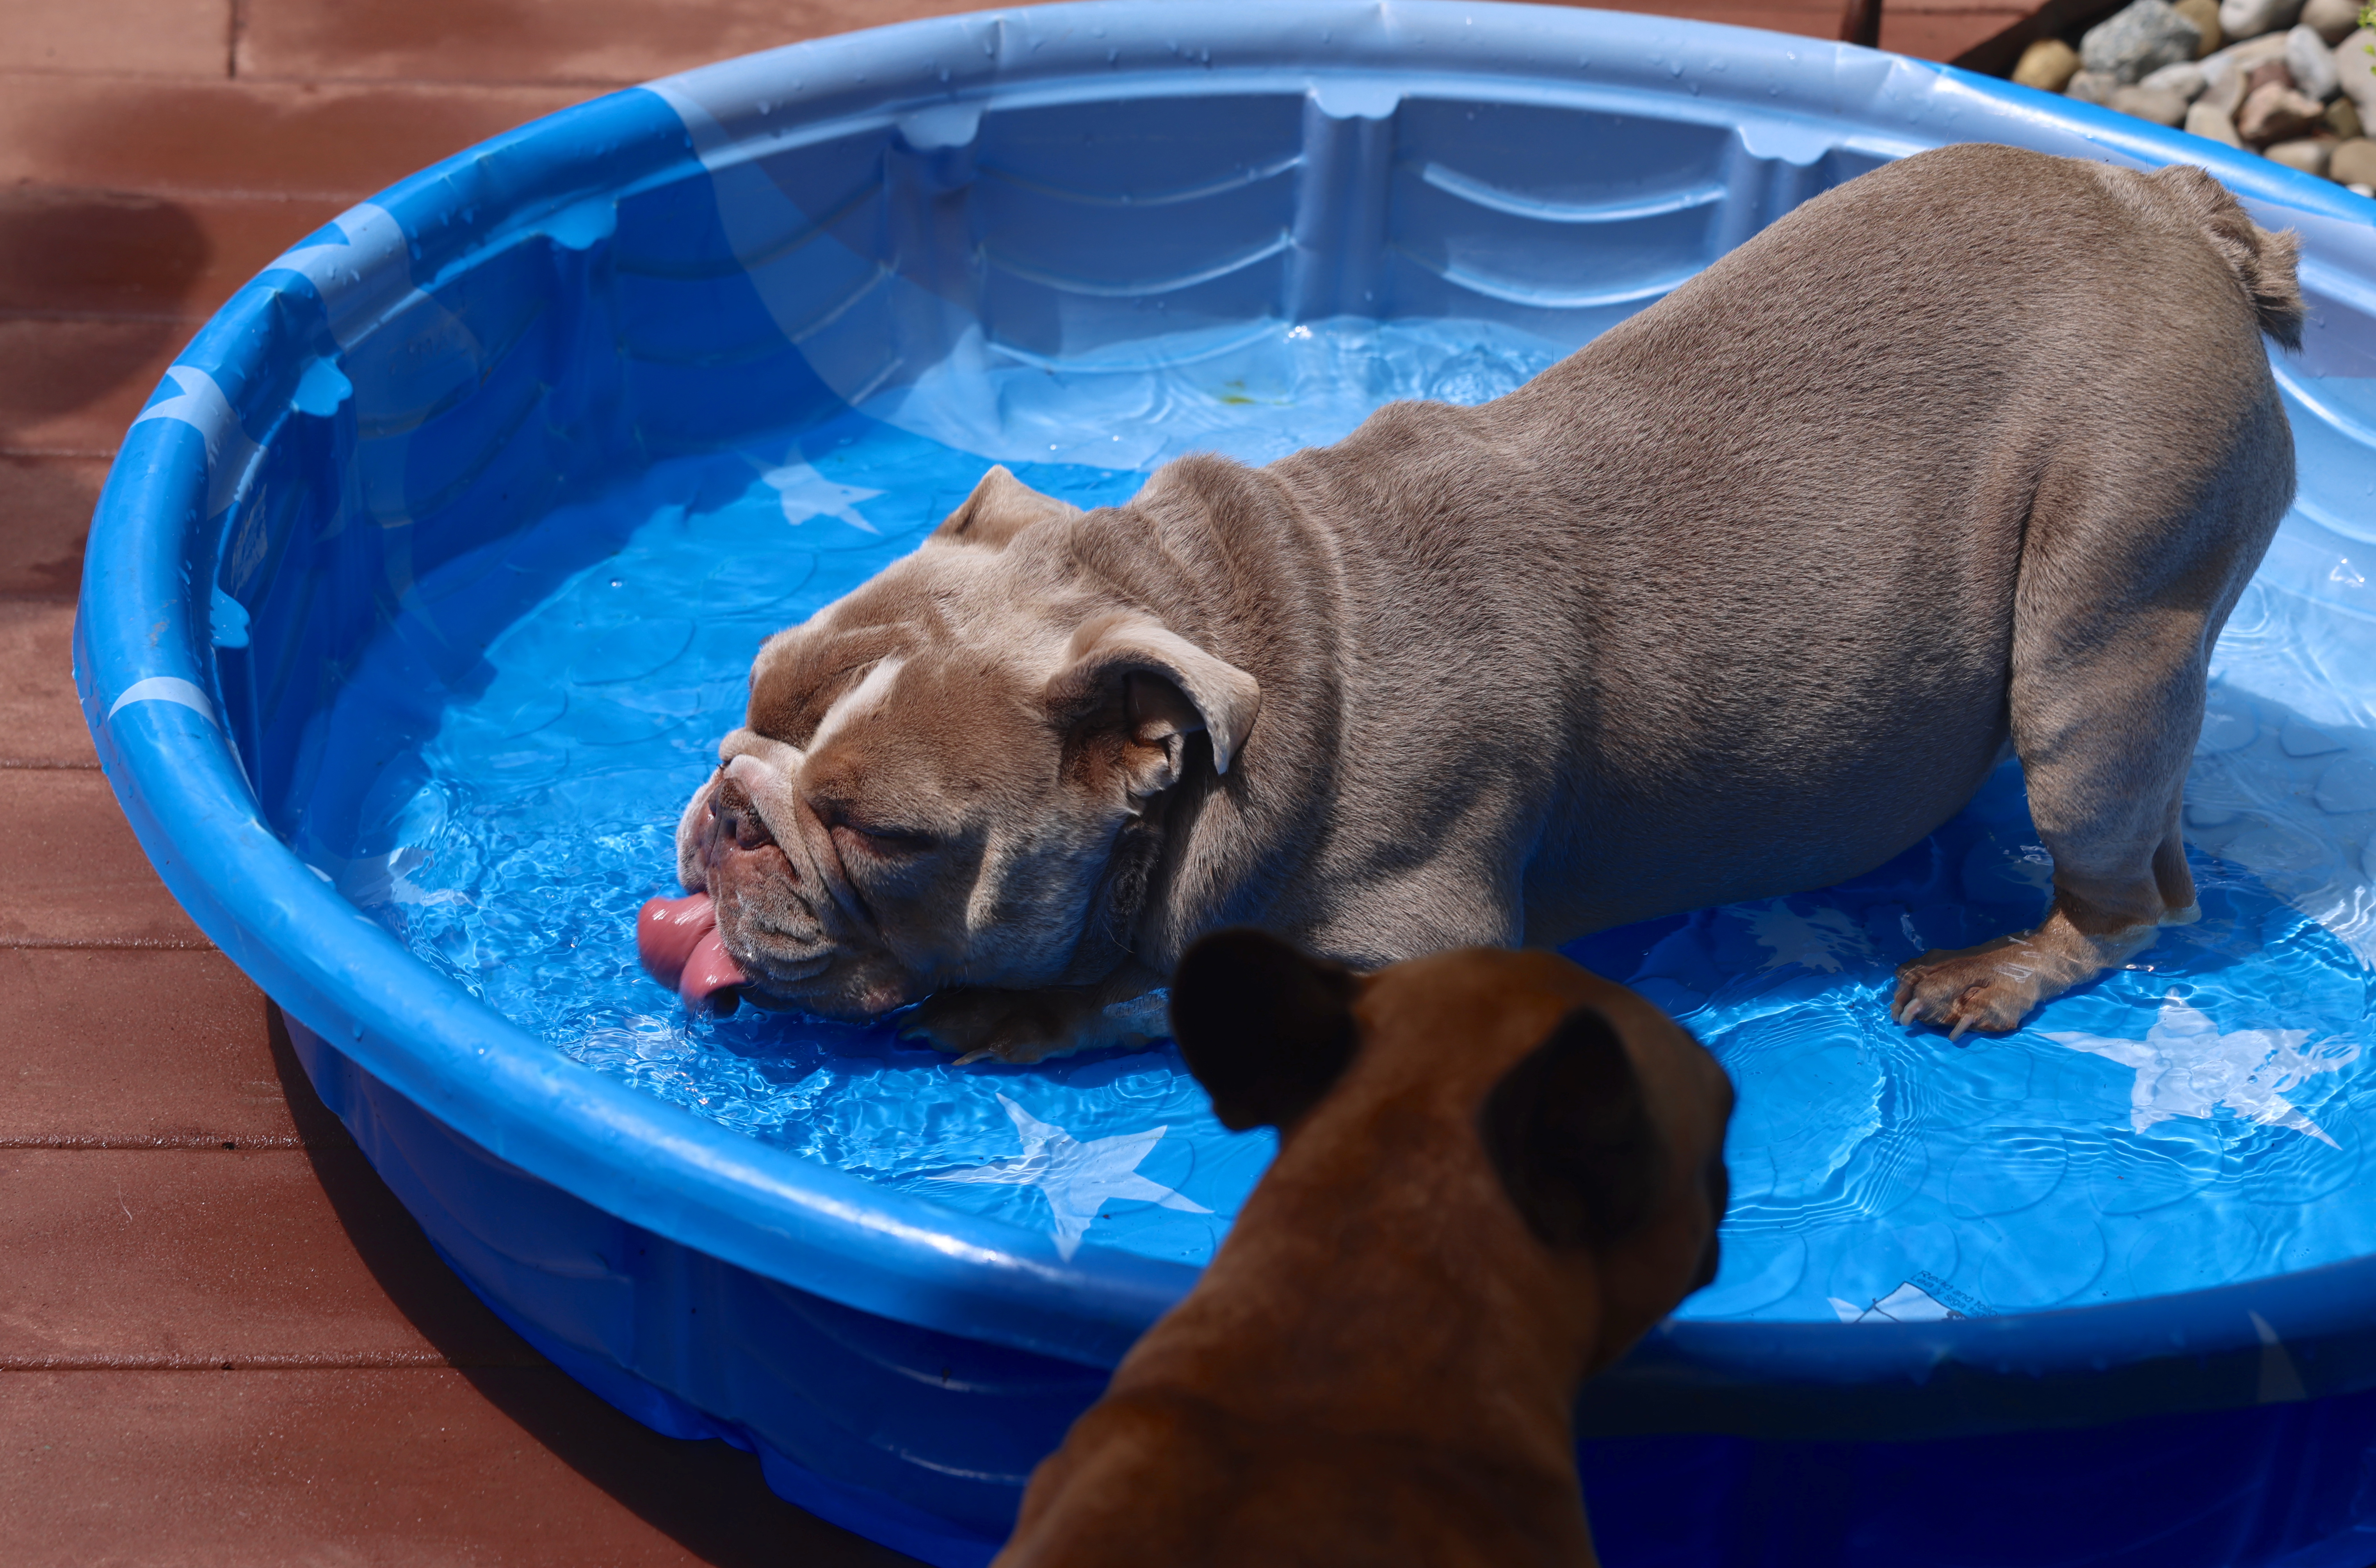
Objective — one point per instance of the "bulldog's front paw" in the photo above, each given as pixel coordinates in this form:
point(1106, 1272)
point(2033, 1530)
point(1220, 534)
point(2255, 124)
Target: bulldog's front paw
point(978, 1024)
point(1987, 988)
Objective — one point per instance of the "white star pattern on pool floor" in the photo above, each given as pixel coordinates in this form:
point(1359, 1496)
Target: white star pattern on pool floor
point(807, 494)
point(1076, 1178)
point(1813, 942)
point(2186, 1067)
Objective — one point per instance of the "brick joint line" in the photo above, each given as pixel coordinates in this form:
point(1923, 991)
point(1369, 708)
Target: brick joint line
point(383, 1361)
point(105, 945)
point(293, 1143)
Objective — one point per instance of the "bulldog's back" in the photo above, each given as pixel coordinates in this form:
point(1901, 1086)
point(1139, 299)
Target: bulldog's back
point(1738, 577)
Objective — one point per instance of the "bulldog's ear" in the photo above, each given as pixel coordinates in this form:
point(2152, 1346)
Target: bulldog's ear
point(1264, 1025)
point(1570, 1133)
point(1000, 507)
point(1163, 687)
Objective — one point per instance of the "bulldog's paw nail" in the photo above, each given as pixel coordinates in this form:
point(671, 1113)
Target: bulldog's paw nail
point(1957, 1032)
point(971, 1057)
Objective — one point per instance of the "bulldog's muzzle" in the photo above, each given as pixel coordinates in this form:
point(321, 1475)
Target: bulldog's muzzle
point(758, 924)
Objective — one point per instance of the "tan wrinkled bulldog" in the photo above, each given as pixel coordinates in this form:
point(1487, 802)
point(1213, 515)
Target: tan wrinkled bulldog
point(1745, 597)
point(1495, 1172)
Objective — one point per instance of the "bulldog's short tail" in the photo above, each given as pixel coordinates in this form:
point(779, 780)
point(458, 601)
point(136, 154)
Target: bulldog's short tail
point(2263, 262)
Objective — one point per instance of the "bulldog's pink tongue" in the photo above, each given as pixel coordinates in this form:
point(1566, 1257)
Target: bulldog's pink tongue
point(710, 976)
point(677, 940)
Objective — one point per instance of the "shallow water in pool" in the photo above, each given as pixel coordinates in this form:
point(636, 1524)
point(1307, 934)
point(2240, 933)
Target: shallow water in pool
point(2201, 1117)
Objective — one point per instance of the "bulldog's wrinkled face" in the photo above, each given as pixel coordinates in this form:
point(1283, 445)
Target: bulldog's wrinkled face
point(937, 773)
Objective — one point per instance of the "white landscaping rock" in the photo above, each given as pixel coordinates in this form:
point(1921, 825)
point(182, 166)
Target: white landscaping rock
point(2353, 162)
point(2093, 86)
point(2143, 36)
point(2185, 78)
point(2212, 124)
point(2312, 61)
point(2224, 91)
point(2355, 71)
point(2331, 20)
point(2309, 154)
point(2249, 19)
point(2159, 105)
point(2224, 70)
point(2247, 53)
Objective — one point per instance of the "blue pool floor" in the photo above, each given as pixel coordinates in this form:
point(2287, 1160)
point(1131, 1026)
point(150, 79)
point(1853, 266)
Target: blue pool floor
point(2200, 1117)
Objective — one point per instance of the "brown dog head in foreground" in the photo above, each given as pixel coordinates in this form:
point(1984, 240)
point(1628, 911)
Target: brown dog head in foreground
point(1495, 1172)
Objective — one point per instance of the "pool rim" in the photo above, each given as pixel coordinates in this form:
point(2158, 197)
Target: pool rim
point(145, 680)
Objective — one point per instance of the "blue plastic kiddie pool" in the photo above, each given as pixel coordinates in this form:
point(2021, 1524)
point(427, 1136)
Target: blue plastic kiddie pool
point(425, 583)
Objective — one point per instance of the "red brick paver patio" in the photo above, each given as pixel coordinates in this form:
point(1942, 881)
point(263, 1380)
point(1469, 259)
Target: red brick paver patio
point(221, 1341)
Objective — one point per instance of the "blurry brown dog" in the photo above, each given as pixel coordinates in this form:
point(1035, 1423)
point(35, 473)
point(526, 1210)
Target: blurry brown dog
point(1495, 1172)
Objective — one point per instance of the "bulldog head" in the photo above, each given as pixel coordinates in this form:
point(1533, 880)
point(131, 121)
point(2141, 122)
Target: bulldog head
point(954, 775)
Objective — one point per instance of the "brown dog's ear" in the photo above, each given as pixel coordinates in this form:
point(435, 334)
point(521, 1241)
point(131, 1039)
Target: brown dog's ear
point(1000, 507)
point(1571, 1135)
point(1264, 1027)
point(1162, 686)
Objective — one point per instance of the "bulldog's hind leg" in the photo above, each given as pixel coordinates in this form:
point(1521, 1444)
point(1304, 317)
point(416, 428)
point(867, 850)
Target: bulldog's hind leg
point(2114, 618)
point(2104, 719)
point(1991, 987)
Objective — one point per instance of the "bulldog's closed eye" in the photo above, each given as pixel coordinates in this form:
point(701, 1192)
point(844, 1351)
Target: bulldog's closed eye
point(888, 842)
